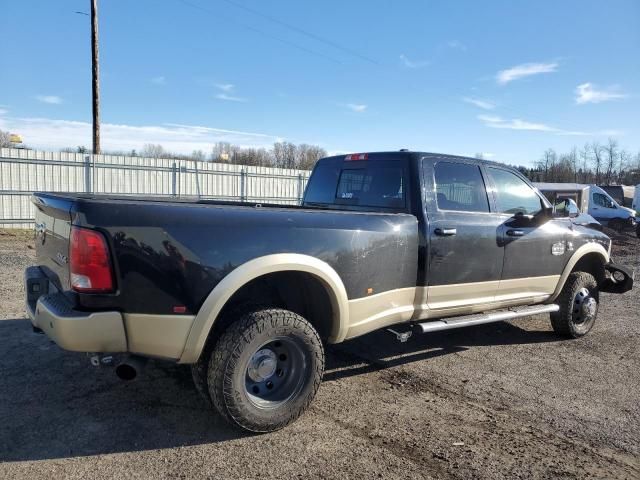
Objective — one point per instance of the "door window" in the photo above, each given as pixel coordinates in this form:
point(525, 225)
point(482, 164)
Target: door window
point(602, 200)
point(460, 187)
point(513, 194)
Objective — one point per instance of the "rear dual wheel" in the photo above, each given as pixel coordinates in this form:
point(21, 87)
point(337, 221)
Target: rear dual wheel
point(263, 371)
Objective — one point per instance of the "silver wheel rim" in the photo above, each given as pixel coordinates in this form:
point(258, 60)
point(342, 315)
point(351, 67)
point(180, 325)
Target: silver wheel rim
point(275, 373)
point(585, 307)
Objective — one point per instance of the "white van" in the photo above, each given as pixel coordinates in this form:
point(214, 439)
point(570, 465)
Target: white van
point(595, 201)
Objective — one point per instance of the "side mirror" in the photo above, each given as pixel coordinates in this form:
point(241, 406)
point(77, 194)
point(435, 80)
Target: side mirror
point(573, 209)
point(566, 207)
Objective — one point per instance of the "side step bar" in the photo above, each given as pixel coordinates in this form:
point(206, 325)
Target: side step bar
point(481, 318)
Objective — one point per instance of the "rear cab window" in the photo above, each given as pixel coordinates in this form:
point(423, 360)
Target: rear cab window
point(368, 185)
point(460, 187)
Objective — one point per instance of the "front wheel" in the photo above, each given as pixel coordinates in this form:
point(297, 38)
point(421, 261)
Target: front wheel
point(578, 303)
point(265, 369)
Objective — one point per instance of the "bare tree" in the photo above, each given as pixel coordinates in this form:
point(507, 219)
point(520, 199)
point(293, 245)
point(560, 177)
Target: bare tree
point(572, 157)
point(611, 154)
point(308, 155)
point(585, 158)
point(198, 155)
point(5, 139)
point(221, 152)
point(596, 150)
point(284, 154)
point(547, 162)
point(624, 163)
point(153, 151)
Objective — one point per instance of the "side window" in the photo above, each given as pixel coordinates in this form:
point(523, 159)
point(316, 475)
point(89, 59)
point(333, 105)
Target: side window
point(460, 187)
point(602, 200)
point(514, 195)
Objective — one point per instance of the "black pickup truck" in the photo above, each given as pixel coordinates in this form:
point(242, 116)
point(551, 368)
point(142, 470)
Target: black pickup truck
point(249, 294)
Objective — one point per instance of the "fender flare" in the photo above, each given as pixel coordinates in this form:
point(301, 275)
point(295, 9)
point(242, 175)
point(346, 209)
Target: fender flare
point(585, 249)
point(258, 267)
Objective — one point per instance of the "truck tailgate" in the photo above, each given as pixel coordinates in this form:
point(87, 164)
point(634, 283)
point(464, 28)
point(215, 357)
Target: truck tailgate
point(53, 226)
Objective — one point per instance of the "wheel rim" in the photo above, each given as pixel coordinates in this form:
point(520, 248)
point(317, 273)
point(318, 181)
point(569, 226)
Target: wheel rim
point(585, 307)
point(275, 373)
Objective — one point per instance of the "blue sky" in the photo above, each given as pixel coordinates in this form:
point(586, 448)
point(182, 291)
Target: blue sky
point(506, 78)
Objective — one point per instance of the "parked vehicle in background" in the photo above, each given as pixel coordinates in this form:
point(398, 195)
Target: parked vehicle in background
point(622, 194)
point(593, 200)
point(636, 206)
point(250, 294)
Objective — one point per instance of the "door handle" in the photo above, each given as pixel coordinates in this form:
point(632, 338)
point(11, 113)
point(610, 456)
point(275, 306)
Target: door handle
point(445, 232)
point(515, 233)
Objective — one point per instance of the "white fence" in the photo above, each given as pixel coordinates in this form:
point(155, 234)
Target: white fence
point(23, 172)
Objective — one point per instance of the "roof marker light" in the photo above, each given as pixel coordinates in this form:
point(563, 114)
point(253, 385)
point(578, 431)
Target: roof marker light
point(357, 156)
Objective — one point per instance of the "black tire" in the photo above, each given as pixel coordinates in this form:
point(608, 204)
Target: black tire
point(199, 374)
point(638, 229)
point(200, 369)
point(265, 369)
point(578, 301)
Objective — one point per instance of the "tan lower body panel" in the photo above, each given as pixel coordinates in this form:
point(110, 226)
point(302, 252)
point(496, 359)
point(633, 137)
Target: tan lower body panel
point(419, 303)
point(157, 335)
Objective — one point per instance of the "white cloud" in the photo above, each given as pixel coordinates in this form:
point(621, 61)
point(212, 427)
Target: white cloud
point(3, 111)
point(589, 93)
point(456, 44)
point(494, 121)
point(413, 63)
point(356, 107)
point(225, 87)
point(48, 133)
point(525, 70)
point(480, 103)
point(230, 98)
point(160, 80)
point(50, 99)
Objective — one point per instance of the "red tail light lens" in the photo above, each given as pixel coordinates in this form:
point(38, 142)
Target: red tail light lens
point(90, 265)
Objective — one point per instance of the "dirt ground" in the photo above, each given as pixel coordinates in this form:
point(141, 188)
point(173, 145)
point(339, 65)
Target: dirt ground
point(509, 400)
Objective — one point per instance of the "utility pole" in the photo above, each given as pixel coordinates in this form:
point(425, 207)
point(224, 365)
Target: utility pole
point(95, 85)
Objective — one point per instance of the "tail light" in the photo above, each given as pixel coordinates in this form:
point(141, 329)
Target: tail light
point(90, 264)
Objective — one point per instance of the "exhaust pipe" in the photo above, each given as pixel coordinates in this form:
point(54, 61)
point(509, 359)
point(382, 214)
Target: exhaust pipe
point(129, 368)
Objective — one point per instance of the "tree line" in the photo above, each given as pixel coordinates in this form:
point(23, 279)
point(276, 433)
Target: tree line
point(280, 155)
point(594, 162)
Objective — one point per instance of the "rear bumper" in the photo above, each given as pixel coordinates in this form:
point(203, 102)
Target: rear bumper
point(71, 329)
point(619, 279)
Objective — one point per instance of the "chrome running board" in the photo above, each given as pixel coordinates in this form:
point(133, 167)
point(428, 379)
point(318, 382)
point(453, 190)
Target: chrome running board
point(481, 318)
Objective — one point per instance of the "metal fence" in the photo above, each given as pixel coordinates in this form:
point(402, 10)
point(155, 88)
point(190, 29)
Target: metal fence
point(23, 172)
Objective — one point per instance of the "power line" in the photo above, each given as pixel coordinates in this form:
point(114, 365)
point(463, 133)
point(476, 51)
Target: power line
point(302, 31)
point(261, 32)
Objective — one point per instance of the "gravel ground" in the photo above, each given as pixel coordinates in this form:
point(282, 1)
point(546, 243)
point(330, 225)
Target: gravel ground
point(508, 400)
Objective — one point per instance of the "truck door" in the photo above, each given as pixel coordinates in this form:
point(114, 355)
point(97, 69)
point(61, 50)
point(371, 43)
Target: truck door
point(534, 254)
point(463, 253)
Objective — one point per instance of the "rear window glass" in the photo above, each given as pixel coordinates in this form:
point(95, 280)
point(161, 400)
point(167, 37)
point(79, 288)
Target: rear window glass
point(375, 183)
point(373, 186)
point(460, 187)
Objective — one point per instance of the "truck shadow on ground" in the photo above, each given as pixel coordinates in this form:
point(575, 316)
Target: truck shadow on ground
point(54, 404)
